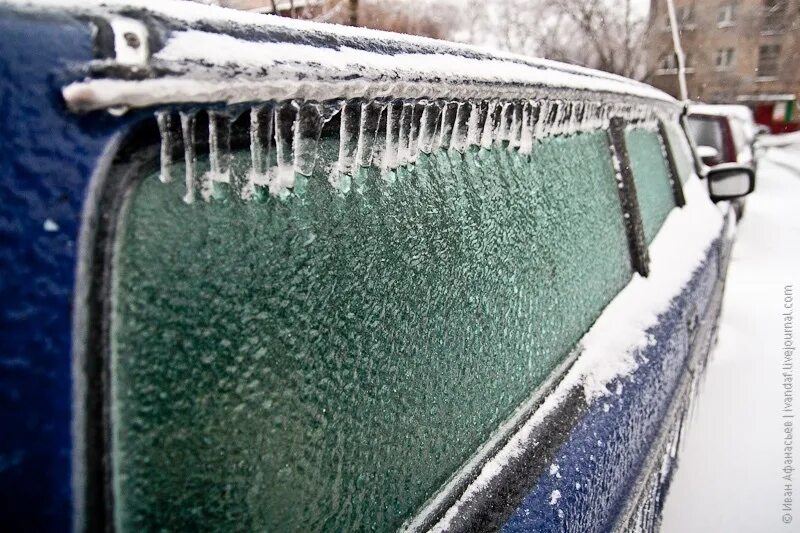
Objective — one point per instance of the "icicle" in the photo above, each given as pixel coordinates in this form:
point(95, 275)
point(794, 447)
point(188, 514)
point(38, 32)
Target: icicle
point(261, 122)
point(164, 119)
point(187, 128)
point(492, 124)
point(307, 130)
point(368, 131)
point(428, 122)
point(566, 117)
point(219, 154)
point(576, 118)
point(283, 178)
point(447, 124)
point(404, 137)
point(515, 132)
point(605, 116)
point(558, 110)
point(540, 129)
point(392, 145)
point(416, 125)
point(379, 144)
point(349, 124)
point(475, 121)
point(503, 132)
point(459, 140)
point(529, 115)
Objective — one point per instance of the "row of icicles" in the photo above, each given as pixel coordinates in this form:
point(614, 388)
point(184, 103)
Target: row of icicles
point(385, 134)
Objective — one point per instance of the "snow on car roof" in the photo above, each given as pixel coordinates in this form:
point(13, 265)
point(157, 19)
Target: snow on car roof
point(213, 54)
point(740, 112)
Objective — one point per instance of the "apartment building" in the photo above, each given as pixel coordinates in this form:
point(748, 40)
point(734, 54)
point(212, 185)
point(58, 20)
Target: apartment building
point(737, 51)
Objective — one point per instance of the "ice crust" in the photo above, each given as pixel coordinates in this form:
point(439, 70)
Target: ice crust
point(388, 134)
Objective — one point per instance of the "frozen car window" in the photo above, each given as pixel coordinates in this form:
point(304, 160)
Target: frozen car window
point(681, 152)
point(651, 176)
point(328, 360)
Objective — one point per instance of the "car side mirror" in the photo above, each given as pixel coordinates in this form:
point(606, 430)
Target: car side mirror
point(729, 181)
point(708, 154)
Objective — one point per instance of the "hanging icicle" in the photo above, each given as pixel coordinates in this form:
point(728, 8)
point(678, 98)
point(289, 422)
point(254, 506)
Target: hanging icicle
point(284, 137)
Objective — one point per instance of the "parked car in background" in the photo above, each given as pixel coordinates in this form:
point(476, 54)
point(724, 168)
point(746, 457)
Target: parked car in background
point(264, 275)
point(724, 134)
point(727, 129)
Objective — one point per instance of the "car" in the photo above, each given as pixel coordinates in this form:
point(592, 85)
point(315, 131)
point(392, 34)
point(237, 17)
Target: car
point(724, 134)
point(728, 130)
point(262, 274)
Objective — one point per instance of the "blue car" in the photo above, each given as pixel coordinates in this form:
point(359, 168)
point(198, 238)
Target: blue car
point(261, 274)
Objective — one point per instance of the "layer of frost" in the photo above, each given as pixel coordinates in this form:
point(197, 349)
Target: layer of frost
point(609, 348)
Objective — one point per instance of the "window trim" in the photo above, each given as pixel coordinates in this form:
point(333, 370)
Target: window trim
point(728, 53)
point(726, 15)
point(672, 166)
point(775, 59)
point(634, 228)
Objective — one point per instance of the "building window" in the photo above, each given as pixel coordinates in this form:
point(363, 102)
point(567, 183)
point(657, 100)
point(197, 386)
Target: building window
point(726, 16)
point(684, 16)
point(768, 60)
point(724, 59)
point(668, 64)
point(774, 16)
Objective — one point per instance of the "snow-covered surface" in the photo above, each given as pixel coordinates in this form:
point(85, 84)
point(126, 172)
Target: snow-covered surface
point(740, 112)
point(786, 139)
point(608, 351)
point(610, 346)
point(729, 475)
point(209, 66)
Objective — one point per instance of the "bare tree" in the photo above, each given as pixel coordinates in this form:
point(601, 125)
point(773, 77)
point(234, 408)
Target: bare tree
point(604, 34)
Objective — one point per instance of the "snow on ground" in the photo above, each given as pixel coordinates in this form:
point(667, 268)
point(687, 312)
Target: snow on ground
point(729, 476)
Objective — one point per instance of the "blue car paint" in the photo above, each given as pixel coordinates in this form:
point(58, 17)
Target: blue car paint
point(47, 157)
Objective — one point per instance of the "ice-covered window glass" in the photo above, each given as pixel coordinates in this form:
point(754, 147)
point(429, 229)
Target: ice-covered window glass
point(327, 360)
point(681, 151)
point(651, 176)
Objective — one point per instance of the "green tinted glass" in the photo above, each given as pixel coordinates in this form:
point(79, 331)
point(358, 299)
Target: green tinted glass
point(651, 176)
point(327, 361)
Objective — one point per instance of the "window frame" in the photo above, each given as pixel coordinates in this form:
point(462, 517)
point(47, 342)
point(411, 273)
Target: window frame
point(773, 16)
point(726, 15)
point(724, 59)
point(768, 54)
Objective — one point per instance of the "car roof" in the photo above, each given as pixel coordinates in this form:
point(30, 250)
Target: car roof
point(203, 53)
point(739, 112)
